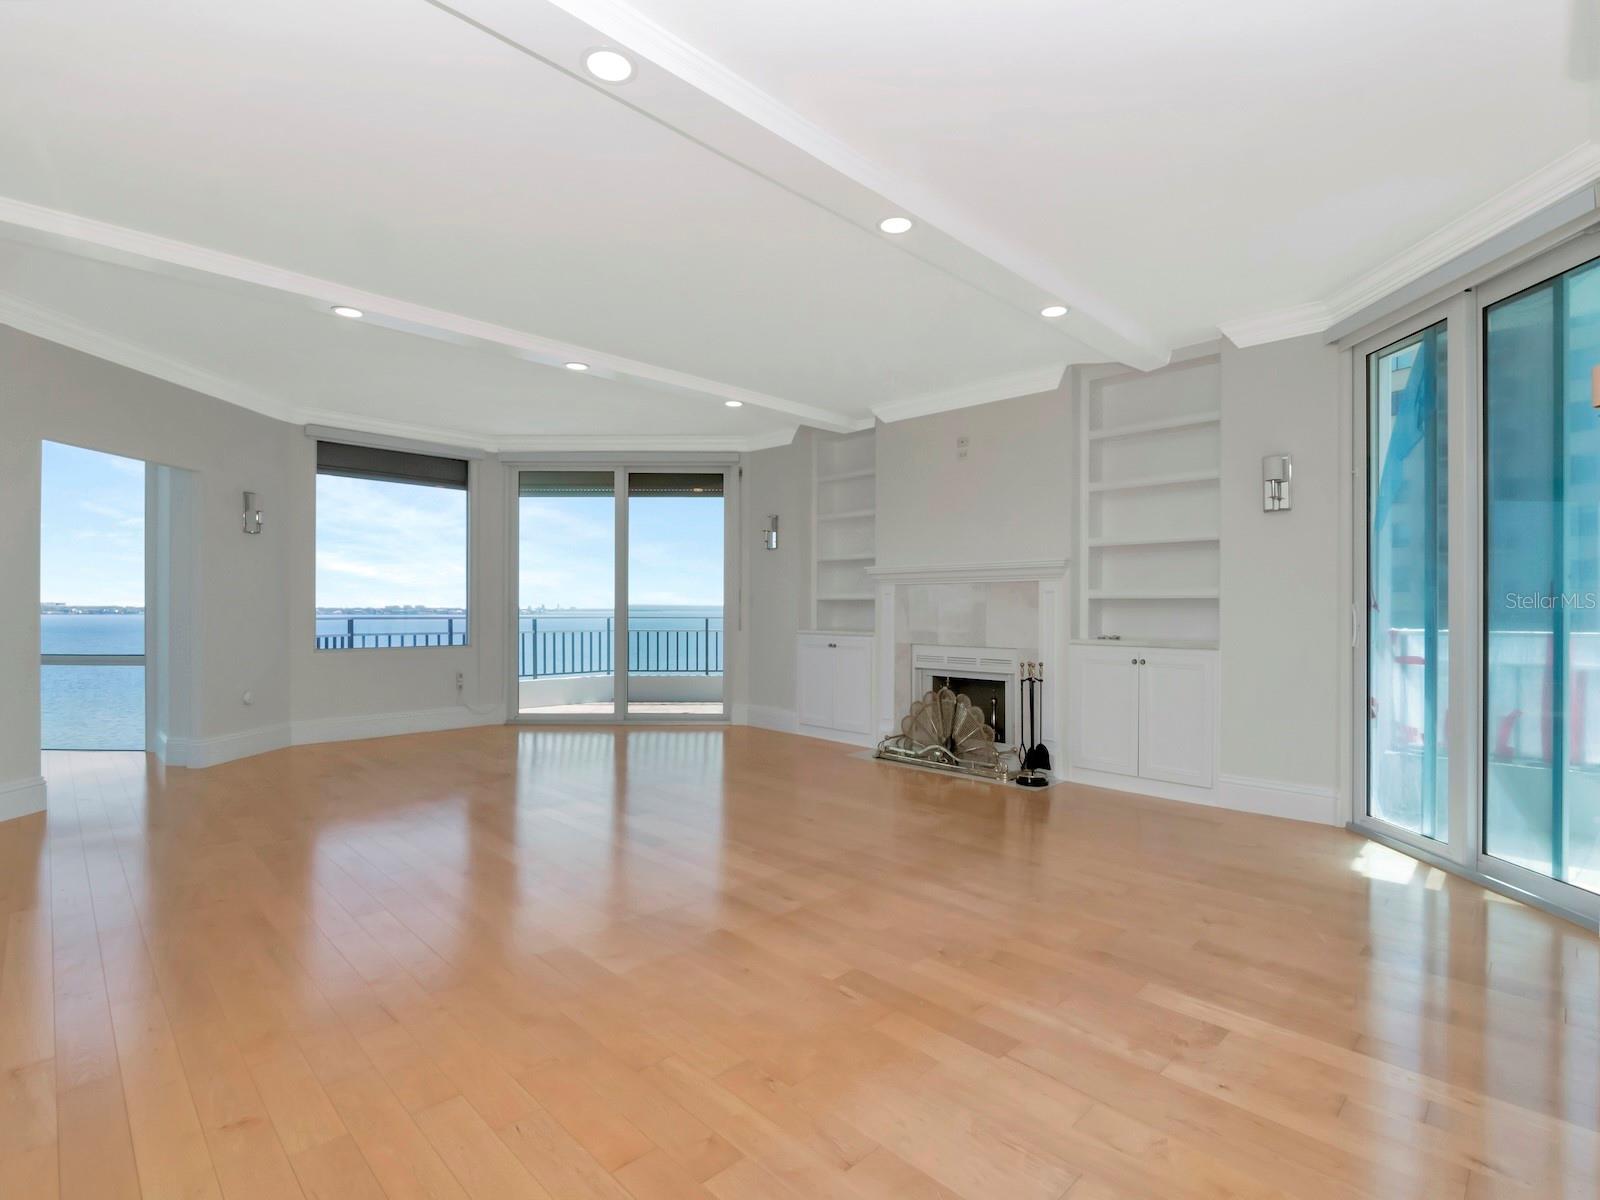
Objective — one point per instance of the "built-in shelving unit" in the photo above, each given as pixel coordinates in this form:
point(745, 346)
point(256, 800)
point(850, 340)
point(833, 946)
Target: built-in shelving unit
point(1149, 497)
point(845, 483)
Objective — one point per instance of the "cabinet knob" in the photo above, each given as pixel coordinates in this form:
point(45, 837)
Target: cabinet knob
point(833, 645)
point(1141, 662)
point(1134, 661)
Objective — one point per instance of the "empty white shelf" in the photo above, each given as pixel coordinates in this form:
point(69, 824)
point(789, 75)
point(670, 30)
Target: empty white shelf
point(1155, 481)
point(840, 476)
point(843, 596)
point(1155, 594)
point(1162, 426)
point(852, 515)
point(845, 558)
point(1182, 539)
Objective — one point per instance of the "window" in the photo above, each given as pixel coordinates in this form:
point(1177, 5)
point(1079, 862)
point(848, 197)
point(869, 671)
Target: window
point(391, 549)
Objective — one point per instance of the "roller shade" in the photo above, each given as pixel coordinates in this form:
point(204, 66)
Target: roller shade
point(391, 466)
point(674, 483)
point(566, 483)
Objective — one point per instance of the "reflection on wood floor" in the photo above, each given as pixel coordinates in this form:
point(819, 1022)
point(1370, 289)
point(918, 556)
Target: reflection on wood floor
point(733, 963)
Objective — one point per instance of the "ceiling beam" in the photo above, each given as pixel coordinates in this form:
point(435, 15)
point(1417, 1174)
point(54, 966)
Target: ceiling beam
point(834, 175)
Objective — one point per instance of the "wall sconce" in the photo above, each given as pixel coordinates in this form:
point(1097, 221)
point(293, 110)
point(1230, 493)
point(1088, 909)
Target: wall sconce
point(769, 535)
point(1277, 471)
point(252, 513)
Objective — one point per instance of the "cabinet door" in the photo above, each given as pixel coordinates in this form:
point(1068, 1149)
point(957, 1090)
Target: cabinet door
point(852, 685)
point(1105, 711)
point(1176, 701)
point(814, 683)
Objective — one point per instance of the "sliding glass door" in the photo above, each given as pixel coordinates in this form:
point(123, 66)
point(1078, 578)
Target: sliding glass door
point(1541, 803)
point(657, 541)
point(675, 593)
point(1408, 572)
point(1477, 588)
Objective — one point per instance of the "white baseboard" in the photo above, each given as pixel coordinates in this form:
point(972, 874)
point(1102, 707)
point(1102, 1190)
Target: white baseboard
point(764, 717)
point(214, 751)
point(1276, 798)
point(836, 735)
point(376, 725)
point(1238, 793)
point(21, 797)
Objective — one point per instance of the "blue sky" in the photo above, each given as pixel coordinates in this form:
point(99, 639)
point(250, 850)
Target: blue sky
point(385, 543)
point(91, 527)
point(675, 551)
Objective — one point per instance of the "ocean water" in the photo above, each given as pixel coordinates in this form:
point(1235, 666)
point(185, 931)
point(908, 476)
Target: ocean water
point(103, 708)
point(91, 708)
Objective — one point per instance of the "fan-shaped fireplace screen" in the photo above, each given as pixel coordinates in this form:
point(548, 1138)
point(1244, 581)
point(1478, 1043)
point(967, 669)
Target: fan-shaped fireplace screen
point(944, 730)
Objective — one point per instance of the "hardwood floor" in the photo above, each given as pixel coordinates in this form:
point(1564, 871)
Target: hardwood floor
point(593, 965)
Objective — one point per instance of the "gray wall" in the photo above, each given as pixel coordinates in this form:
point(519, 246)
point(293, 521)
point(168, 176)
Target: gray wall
point(776, 596)
point(48, 392)
point(1283, 632)
point(252, 627)
point(1010, 499)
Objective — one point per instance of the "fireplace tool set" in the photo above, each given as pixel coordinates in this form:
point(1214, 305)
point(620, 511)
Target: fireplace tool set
point(948, 732)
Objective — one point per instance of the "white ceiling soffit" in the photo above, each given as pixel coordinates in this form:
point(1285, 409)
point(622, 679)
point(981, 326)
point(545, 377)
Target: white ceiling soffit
point(304, 366)
point(27, 223)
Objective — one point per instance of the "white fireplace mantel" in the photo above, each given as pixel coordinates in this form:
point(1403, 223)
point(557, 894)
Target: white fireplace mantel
point(1051, 576)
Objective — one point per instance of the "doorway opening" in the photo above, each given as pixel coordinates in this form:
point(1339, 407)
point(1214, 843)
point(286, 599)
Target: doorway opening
point(91, 600)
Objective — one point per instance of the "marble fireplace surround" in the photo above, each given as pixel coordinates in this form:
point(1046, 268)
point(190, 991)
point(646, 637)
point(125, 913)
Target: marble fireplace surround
point(1015, 605)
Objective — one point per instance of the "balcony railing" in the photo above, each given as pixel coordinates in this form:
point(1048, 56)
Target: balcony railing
point(551, 647)
point(442, 631)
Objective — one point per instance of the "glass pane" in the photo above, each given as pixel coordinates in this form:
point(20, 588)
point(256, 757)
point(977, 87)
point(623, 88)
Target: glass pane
point(91, 598)
point(675, 590)
point(1542, 536)
point(91, 708)
point(1408, 591)
point(566, 587)
point(391, 564)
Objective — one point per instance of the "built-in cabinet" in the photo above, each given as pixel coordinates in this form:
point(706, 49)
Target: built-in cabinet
point(1143, 711)
point(833, 685)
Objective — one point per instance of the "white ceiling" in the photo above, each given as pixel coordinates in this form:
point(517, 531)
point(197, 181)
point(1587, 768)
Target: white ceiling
point(186, 186)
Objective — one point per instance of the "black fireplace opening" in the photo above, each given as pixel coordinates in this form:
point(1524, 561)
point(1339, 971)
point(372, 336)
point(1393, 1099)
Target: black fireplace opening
point(988, 696)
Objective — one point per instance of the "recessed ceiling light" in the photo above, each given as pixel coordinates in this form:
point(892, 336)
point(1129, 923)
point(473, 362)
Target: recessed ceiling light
point(576, 366)
point(608, 66)
point(895, 224)
point(733, 404)
point(344, 310)
point(1053, 310)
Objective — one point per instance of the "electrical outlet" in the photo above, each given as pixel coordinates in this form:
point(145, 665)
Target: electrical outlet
point(461, 681)
point(963, 444)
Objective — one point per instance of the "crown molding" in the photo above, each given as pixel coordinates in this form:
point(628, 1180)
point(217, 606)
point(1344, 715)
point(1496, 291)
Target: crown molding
point(151, 252)
point(1549, 185)
point(1094, 320)
point(984, 391)
point(1276, 326)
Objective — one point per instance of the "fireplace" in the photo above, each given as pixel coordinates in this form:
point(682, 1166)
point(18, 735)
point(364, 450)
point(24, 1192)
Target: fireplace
point(986, 675)
point(988, 696)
